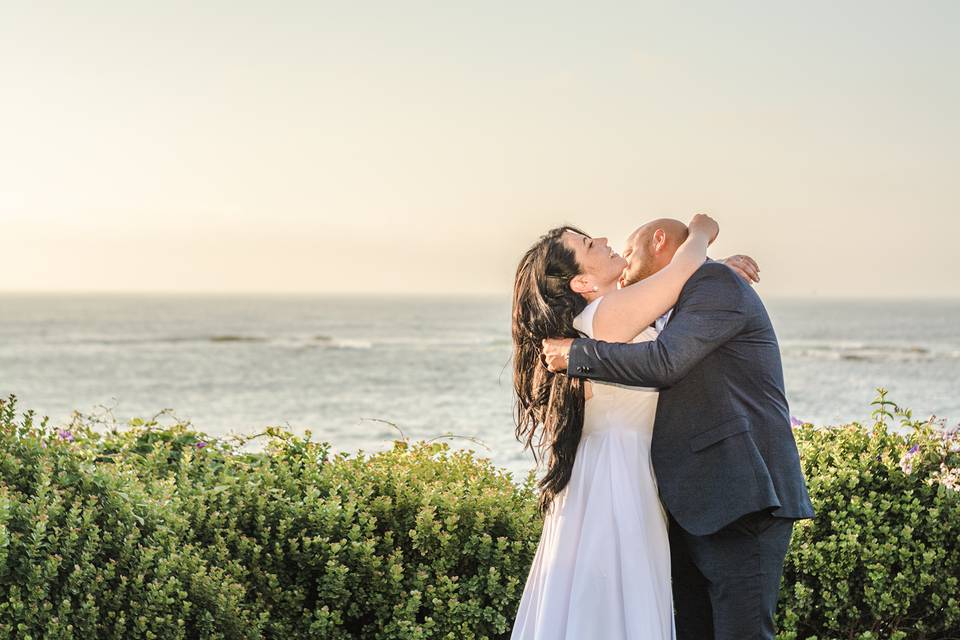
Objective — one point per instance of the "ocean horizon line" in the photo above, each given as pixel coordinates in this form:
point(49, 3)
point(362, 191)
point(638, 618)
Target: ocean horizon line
point(393, 295)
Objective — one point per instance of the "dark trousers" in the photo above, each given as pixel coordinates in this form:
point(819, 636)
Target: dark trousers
point(726, 584)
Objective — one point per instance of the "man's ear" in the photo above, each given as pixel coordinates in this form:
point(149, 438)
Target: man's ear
point(659, 239)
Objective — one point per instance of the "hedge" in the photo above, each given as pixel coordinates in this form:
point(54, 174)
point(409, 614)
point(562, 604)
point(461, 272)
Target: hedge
point(154, 530)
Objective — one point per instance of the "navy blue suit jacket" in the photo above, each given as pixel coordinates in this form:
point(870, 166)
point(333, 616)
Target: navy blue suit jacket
point(723, 445)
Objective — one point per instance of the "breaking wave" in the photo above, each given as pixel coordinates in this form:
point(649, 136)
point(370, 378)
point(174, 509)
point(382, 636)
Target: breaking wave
point(852, 351)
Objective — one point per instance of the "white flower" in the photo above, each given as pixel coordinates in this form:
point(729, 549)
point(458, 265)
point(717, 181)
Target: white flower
point(950, 478)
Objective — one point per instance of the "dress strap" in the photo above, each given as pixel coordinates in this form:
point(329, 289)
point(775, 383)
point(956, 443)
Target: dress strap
point(584, 320)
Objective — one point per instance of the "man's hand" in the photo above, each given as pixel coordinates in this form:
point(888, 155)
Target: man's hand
point(745, 267)
point(556, 353)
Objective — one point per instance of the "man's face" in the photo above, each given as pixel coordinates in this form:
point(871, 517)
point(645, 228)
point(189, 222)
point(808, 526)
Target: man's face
point(651, 248)
point(638, 252)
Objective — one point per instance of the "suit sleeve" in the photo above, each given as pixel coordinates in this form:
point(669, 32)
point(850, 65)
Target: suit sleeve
point(709, 313)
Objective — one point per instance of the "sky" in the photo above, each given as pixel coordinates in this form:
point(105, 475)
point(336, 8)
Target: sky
point(419, 147)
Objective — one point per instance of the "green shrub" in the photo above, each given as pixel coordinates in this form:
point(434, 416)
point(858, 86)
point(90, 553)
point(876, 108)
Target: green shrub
point(88, 551)
point(417, 542)
point(210, 542)
point(154, 531)
point(882, 557)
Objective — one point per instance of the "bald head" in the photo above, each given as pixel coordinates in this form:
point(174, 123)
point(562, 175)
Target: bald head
point(674, 231)
point(651, 248)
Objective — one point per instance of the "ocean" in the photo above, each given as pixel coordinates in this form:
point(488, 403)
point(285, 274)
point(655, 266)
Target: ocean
point(346, 367)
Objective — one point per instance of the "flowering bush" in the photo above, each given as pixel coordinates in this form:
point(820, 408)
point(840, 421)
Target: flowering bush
point(161, 532)
point(882, 557)
point(154, 531)
point(88, 550)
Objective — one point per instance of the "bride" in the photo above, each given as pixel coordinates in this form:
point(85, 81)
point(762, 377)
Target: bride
point(602, 567)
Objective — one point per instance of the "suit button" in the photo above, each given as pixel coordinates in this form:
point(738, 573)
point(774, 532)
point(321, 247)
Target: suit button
point(586, 369)
point(580, 369)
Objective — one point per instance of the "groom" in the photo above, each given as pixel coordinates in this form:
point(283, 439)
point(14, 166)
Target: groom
point(725, 459)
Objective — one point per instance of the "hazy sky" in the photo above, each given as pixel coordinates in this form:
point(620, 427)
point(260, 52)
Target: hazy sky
point(422, 146)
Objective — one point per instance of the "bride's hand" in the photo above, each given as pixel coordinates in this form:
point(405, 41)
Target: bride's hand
point(745, 267)
point(702, 223)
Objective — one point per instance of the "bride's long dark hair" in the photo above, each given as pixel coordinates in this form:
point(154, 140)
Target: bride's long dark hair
point(549, 410)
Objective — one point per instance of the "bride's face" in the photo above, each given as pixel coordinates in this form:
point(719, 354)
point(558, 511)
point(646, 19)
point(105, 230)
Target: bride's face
point(600, 264)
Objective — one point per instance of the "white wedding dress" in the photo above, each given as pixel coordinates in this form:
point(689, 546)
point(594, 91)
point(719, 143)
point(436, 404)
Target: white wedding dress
point(602, 567)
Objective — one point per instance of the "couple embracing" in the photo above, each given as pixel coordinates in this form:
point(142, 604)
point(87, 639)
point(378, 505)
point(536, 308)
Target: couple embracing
point(652, 385)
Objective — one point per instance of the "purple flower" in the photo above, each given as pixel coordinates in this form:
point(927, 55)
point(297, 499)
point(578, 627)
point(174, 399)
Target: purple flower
point(65, 435)
point(796, 422)
point(201, 444)
point(905, 462)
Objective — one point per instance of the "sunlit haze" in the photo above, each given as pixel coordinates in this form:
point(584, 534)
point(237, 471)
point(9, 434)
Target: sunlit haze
point(420, 147)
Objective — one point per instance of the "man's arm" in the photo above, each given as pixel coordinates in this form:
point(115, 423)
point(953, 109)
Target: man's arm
point(711, 314)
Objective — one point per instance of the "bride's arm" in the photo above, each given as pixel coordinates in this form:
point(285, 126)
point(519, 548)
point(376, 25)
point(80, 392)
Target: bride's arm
point(623, 314)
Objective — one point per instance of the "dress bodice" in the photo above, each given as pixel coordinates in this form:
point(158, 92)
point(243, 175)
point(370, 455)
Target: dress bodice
point(617, 406)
